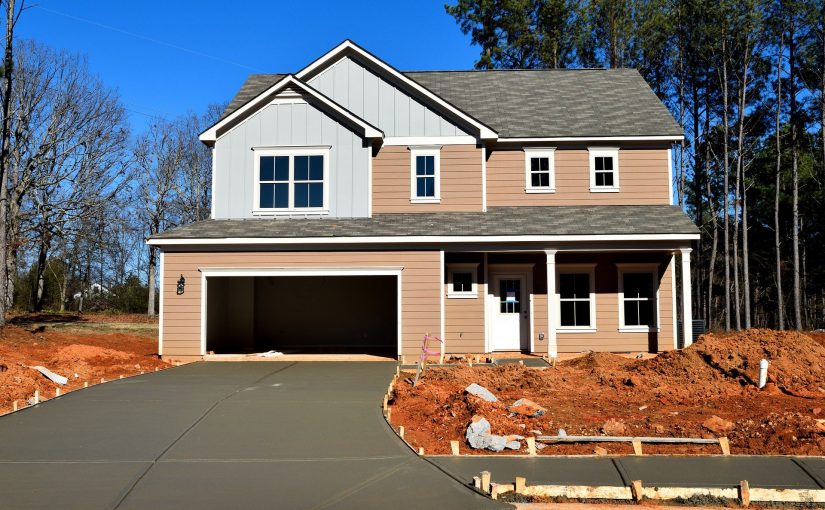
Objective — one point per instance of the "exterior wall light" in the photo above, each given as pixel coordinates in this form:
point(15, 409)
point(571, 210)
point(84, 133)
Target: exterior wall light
point(181, 285)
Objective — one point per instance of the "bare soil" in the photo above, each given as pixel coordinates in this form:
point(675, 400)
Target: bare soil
point(671, 395)
point(83, 348)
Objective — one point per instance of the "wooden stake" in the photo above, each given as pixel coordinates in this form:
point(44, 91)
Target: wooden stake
point(636, 489)
point(384, 405)
point(421, 451)
point(493, 491)
point(141, 372)
point(745, 493)
point(57, 392)
point(389, 415)
point(485, 481)
point(724, 444)
point(454, 447)
point(14, 406)
point(156, 369)
point(477, 482)
point(36, 396)
point(85, 384)
point(637, 447)
point(121, 376)
point(521, 362)
point(554, 362)
point(401, 431)
point(403, 360)
point(397, 370)
point(531, 446)
point(470, 363)
point(521, 482)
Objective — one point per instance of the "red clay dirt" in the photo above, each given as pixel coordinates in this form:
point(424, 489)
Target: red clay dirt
point(674, 394)
point(81, 354)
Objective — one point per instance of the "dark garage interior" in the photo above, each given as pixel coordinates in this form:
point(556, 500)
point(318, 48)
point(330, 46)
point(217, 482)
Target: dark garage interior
point(302, 314)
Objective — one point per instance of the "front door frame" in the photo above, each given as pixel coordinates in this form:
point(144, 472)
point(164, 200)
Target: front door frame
point(489, 305)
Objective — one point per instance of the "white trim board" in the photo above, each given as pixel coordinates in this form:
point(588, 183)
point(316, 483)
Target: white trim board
point(211, 134)
point(160, 307)
point(420, 239)
point(485, 132)
point(652, 138)
point(218, 272)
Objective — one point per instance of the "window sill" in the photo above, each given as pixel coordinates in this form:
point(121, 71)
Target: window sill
point(539, 190)
point(562, 329)
point(462, 295)
point(638, 329)
point(425, 200)
point(597, 189)
point(290, 212)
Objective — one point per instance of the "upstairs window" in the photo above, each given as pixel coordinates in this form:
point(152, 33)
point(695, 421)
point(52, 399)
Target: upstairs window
point(604, 169)
point(291, 180)
point(540, 170)
point(637, 297)
point(425, 173)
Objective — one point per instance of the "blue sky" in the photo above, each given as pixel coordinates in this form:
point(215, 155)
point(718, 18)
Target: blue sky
point(167, 58)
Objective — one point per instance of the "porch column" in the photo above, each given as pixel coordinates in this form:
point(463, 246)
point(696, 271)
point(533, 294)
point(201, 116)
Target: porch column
point(552, 346)
point(687, 312)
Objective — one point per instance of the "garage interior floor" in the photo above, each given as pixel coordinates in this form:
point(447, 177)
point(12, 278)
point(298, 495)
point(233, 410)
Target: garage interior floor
point(222, 435)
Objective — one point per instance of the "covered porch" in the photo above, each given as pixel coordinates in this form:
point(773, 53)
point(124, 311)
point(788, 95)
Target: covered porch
point(566, 299)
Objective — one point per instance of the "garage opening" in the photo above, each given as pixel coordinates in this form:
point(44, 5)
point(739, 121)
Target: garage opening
point(302, 314)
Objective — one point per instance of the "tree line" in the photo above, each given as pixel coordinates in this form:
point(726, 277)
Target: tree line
point(79, 192)
point(746, 81)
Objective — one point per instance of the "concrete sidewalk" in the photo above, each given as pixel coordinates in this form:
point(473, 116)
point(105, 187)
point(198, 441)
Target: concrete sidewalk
point(709, 472)
point(222, 435)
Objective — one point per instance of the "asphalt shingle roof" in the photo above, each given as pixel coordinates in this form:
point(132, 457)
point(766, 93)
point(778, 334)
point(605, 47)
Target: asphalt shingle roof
point(537, 103)
point(497, 221)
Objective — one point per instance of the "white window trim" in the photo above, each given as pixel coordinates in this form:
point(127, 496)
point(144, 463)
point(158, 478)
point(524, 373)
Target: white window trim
point(425, 151)
point(653, 269)
point(468, 267)
point(574, 269)
point(612, 152)
point(539, 152)
point(289, 151)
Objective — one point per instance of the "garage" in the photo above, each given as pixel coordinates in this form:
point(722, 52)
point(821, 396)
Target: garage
point(333, 312)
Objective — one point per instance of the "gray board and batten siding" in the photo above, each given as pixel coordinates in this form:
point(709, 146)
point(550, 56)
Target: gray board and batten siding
point(379, 102)
point(284, 125)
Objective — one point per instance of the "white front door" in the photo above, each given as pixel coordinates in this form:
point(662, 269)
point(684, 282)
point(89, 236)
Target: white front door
point(510, 317)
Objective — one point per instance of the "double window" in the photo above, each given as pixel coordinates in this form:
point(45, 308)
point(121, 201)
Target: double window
point(540, 171)
point(425, 175)
point(604, 169)
point(291, 180)
point(577, 300)
point(637, 298)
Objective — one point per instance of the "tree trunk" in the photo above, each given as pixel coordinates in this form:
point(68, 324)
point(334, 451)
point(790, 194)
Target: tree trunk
point(726, 190)
point(780, 300)
point(151, 285)
point(797, 294)
point(742, 189)
point(5, 137)
point(42, 258)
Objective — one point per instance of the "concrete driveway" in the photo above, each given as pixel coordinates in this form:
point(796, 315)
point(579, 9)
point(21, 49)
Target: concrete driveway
point(222, 435)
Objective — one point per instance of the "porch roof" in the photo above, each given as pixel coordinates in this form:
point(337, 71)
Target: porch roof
point(497, 221)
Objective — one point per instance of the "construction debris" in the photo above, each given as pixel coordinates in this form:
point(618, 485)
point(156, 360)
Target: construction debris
point(479, 437)
point(59, 379)
point(527, 407)
point(481, 391)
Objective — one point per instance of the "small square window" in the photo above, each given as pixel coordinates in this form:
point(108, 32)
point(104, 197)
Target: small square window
point(539, 168)
point(604, 170)
point(461, 280)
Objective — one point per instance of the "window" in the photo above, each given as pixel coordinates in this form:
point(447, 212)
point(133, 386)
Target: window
point(425, 185)
point(576, 299)
point(539, 166)
point(461, 281)
point(291, 180)
point(638, 301)
point(604, 170)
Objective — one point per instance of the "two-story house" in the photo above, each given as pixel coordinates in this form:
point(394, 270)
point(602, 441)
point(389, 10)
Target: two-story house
point(357, 207)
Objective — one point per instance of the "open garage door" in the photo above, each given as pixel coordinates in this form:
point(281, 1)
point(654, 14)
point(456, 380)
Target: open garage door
point(330, 314)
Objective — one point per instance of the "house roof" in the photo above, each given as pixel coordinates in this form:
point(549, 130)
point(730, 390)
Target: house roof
point(497, 221)
point(546, 103)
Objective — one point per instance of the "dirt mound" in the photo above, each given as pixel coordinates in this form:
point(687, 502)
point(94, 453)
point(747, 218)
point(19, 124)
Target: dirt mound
point(797, 361)
point(84, 353)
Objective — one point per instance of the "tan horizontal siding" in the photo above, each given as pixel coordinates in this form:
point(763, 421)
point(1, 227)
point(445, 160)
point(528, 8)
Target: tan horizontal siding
point(643, 179)
point(182, 314)
point(460, 180)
